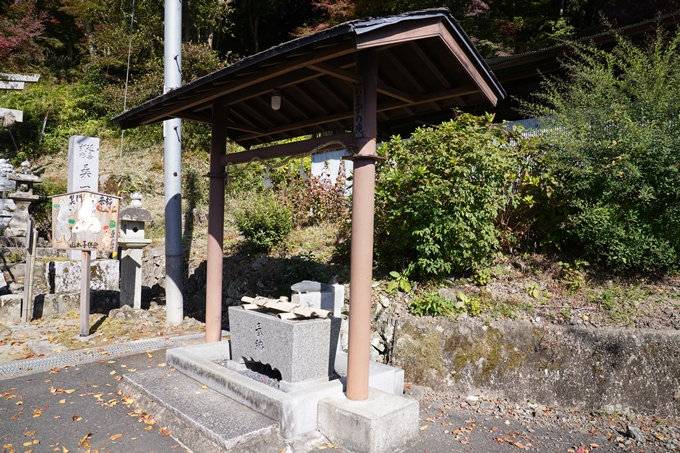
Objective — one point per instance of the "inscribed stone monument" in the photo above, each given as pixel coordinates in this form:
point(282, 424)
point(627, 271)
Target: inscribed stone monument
point(83, 164)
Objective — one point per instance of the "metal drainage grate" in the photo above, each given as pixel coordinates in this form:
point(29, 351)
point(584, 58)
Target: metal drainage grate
point(85, 356)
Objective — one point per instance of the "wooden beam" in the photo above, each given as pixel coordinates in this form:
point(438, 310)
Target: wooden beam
point(287, 149)
point(195, 117)
point(339, 73)
point(395, 93)
point(404, 72)
point(303, 124)
point(398, 33)
point(452, 93)
point(285, 68)
point(383, 107)
point(255, 114)
point(430, 65)
point(302, 95)
point(330, 93)
point(242, 128)
point(246, 121)
point(467, 65)
point(402, 32)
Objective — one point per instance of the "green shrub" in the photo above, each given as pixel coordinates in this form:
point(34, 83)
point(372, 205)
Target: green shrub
point(614, 150)
point(263, 220)
point(432, 304)
point(316, 199)
point(438, 195)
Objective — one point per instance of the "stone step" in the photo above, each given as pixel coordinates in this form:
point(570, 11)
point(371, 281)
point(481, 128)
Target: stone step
point(200, 418)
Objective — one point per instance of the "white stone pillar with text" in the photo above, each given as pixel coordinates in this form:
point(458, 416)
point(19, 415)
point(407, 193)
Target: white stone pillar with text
point(83, 172)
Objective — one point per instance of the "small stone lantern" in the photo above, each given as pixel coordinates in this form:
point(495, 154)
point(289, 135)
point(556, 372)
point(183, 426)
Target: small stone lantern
point(131, 242)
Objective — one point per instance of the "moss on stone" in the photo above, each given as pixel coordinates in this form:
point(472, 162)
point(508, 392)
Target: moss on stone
point(490, 348)
point(422, 355)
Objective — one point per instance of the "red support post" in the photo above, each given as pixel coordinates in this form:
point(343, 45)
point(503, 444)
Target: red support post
point(361, 260)
point(213, 296)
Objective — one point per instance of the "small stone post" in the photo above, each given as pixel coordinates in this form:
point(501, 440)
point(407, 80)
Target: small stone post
point(131, 242)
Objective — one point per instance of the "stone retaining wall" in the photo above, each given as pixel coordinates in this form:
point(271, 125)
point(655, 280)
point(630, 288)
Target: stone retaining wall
point(568, 367)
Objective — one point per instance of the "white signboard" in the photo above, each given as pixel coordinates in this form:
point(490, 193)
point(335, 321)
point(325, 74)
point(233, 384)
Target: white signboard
point(17, 115)
point(83, 163)
point(11, 85)
point(19, 77)
point(85, 221)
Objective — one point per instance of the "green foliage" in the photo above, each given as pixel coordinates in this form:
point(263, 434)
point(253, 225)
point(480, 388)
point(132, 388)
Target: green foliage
point(532, 217)
point(316, 199)
point(572, 274)
point(534, 291)
point(438, 194)
point(481, 276)
point(400, 282)
point(615, 154)
point(472, 305)
point(607, 300)
point(263, 220)
point(76, 109)
point(432, 304)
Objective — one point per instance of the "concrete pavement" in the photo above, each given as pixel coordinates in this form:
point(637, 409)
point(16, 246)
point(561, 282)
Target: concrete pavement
point(87, 408)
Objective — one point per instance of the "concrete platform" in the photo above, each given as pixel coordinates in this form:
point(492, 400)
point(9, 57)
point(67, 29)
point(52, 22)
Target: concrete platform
point(296, 412)
point(202, 419)
point(381, 423)
point(382, 377)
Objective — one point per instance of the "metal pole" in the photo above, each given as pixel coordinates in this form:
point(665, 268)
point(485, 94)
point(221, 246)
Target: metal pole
point(85, 294)
point(172, 129)
point(361, 260)
point(31, 239)
point(213, 296)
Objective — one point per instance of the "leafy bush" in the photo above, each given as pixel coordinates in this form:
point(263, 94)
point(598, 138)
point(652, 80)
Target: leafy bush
point(316, 199)
point(438, 195)
point(76, 109)
point(614, 149)
point(263, 220)
point(432, 304)
point(399, 282)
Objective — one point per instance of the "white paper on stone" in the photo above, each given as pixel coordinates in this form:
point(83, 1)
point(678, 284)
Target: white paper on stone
point(83, 164)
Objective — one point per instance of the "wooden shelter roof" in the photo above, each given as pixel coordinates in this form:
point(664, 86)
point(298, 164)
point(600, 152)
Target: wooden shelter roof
point(426, 66)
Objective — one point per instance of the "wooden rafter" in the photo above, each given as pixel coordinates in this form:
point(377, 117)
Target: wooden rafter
point(288, 149)
point(295, 64)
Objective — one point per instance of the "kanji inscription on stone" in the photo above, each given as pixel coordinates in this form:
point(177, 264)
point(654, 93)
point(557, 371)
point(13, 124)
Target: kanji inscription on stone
point(83, 163)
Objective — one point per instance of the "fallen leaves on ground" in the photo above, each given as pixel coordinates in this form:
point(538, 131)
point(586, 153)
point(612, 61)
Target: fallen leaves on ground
point(510, 438)
point(83, 441)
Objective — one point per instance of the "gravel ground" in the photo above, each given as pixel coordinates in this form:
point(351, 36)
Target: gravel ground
point(478, 424)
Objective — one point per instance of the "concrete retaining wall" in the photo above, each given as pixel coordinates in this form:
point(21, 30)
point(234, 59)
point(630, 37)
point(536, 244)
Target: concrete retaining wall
point(568, 367)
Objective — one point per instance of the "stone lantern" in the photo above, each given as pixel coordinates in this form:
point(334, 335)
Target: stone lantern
point(23, 197)
point(131, 242)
